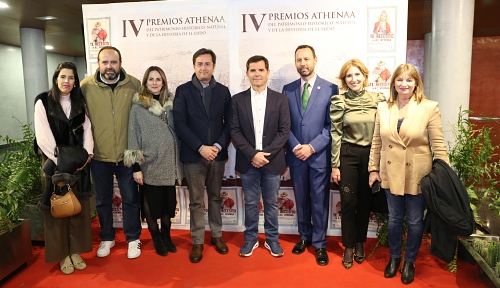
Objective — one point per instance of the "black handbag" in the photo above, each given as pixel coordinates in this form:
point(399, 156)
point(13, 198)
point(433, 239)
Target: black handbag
point(70, 158)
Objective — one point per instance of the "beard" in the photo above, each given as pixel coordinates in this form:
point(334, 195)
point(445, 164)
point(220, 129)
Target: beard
point(306, 72)
point(111, 76)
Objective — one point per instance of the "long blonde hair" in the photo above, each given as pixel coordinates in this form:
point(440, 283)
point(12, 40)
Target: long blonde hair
point(145, 95)
point(411, 71)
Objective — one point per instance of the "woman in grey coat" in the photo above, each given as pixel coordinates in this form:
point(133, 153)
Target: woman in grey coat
point(153, 152)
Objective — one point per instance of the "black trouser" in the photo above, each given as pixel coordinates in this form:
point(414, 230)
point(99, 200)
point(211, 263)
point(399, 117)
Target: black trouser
point(355, 193)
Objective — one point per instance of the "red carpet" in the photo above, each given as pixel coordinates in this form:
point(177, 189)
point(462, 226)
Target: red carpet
point(230, 270)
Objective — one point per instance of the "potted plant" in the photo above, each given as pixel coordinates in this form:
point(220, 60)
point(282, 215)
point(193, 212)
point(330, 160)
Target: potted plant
point(471, 156)
point(19, 181)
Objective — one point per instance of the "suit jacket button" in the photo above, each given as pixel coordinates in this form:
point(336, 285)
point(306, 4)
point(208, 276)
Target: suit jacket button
point(404, 148)
point(390, 146)
point(407, 164)
point(388, 162)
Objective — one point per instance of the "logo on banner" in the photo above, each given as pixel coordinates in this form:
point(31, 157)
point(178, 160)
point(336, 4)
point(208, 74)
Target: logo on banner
point(176, 26)
point(296, 21)
point(133, 25)
point(255, 23)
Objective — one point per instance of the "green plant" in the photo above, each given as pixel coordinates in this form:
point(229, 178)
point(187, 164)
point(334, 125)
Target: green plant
point(20, 181)
point(382, 229)
point(471, 157)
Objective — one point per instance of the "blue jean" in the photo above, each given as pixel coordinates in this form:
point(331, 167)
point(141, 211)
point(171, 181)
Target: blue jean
point(413, 205)
point(102, 179)
point(252, 182)
point(198, 175)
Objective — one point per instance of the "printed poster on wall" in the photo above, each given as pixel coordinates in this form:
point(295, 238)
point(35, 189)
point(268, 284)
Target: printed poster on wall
point(382, 29)
point(176, 220)
point(380, 73)
point(116, 205)
point(99, 30)
point(228, 208)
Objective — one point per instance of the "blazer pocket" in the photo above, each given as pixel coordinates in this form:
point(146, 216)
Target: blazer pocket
point(422, 165)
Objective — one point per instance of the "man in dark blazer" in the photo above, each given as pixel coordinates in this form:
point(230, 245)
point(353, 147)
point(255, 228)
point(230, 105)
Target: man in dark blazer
point(260, 125)
point(308, 151)
point(201, 116)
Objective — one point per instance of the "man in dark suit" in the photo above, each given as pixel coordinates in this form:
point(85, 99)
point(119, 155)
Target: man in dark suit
point(260, 125)
point(309, 151)
point(201, 116)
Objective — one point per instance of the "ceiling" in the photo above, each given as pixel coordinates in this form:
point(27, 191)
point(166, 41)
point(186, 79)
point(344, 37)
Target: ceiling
point(66, 33)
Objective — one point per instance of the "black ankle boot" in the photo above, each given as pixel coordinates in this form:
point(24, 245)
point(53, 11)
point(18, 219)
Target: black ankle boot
point(167, 241)
point(408, 273)
point(158, 243)
point(392, 267)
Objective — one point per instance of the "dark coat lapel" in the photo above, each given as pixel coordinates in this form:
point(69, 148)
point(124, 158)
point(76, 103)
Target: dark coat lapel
point(298, 97)
point(248, 109)
point(197, 98)
point(269, 108)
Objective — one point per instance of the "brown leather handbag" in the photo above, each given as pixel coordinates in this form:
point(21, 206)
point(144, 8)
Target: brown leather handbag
point(66, 205)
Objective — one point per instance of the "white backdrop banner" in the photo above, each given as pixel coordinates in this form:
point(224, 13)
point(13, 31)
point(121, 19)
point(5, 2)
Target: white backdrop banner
point(167, 33)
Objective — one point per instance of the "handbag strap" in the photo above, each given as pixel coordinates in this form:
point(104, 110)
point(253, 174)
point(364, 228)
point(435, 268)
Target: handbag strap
point(86, 162)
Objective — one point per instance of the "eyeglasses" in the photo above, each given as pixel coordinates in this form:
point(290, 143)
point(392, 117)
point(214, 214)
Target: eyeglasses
point(208, 64)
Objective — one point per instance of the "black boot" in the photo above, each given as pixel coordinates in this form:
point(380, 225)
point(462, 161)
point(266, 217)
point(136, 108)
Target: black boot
point(408, 273)
point(392, 267)
point(158, 243)
point(167, 241)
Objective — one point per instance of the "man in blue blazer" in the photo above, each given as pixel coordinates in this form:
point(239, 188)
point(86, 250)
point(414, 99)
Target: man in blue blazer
point(308, 151)
point(201, 116)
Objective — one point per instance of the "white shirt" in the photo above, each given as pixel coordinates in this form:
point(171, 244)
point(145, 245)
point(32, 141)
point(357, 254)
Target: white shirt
point(258, 114)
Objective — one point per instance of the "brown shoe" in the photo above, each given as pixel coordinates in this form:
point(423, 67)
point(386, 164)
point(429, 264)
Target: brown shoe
point(195, 255)
point(220, 246)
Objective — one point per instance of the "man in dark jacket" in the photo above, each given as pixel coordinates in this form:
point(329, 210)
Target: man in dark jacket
point(201, 116)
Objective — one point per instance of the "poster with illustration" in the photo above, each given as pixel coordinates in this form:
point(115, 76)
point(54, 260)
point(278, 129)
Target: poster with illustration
point(229, 207)
point(380, 71)
point(381, 29)
point(176, 220)
point(99, 34)
point(116, 205)
point(335, 212)
point(287, 210)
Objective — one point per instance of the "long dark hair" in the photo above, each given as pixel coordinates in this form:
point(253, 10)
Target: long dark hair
point(55, 93)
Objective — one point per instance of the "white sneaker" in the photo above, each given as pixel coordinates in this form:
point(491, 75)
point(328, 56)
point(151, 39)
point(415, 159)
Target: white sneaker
point(104, 248)
point(134, 249)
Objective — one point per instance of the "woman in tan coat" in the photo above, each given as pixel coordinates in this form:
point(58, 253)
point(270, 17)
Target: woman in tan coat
point(407, 131)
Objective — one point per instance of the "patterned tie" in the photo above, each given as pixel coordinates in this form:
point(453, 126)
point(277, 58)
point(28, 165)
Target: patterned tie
point(305, 97)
